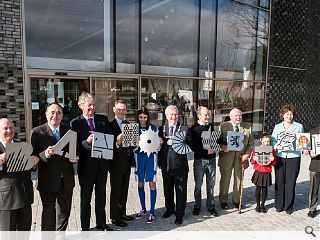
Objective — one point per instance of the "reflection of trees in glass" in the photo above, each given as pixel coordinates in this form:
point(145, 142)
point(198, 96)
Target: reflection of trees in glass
point(239, 32)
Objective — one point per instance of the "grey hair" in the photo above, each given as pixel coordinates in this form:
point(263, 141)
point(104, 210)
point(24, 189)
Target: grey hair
point(84, 97)
point(199, 109)
point(169, 109)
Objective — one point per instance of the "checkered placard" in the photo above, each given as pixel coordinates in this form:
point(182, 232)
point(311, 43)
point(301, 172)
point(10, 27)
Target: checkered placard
point(130, 134)
point(209, 140)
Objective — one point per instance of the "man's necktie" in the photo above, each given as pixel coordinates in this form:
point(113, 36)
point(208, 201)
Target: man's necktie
point(56, 134)
point(90, 123)
point(171, 131)
point(236, 128)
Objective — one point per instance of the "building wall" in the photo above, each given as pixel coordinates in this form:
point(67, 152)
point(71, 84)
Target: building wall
point(293, 72)
point(11, 73)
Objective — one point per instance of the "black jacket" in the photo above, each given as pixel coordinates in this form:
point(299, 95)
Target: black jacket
point(315, 162)
point(196, 143)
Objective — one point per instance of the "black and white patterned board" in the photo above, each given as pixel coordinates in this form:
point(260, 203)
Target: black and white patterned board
point(67, 145)
point(130, 134)
point(102, 146)
point(286, 141)
point(179, 144)
point(263, 153)
point(19, 157)
point(315, 139)
point(209, 140)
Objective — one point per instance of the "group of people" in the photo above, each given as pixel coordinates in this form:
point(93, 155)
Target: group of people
point(55, 181)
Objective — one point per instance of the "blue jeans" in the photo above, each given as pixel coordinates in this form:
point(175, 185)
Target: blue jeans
point(207, 167)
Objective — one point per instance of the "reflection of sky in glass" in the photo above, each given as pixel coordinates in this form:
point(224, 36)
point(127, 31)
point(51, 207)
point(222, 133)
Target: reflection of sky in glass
point(65, 29)
point(169, 33)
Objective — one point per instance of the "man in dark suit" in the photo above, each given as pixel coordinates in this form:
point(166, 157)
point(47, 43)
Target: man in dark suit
point(16, 189)
point(120, 169)
point(314, 169)
point(92, 172)
point(55, 173)
point(174, 166)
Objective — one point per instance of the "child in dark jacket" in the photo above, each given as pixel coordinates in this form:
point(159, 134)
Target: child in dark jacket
point(262, 174)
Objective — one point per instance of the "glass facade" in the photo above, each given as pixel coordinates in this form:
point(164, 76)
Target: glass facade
point(154, 53)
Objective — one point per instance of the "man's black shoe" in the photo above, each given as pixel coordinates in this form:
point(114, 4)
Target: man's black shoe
point(289, 212)
point(312, 214)
point(196, 211)
point(258, 209)
point(263, 209)
point(178, 221)
point(224, 205)
point(236, 205)
point(167, 214)
point(99, 228)
point(119, 223)
point(107, 228)
point(127, 218)
point(213, 212)
point(85, 229)
point(279, 210)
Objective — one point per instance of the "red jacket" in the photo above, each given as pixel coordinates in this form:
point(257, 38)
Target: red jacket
point(260, 168)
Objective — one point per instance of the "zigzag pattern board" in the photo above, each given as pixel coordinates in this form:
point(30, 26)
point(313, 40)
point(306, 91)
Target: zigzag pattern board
point(67, 145)
point(19, 157)
point(235, 141)
point(263, 153)
point(130, 134)
point(179, 144)
point(102, 146)
point(316, 143)
point(286, 140)
point(209, 140)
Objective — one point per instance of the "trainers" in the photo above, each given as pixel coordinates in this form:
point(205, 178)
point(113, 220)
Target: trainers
point(151, 218)
point(141, 213)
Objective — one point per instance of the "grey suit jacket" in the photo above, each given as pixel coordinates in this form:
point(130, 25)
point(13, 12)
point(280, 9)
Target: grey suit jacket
point(12, 190)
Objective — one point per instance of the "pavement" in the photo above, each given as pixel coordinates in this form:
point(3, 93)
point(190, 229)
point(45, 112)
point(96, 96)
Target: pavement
point(228, 220)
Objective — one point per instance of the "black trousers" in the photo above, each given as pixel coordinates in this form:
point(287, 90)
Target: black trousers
point(286, 173)
point(56, 209)
point(314, 190)
point(16, 220)
point(87, 182)
point(119, 182)
point(176, 183)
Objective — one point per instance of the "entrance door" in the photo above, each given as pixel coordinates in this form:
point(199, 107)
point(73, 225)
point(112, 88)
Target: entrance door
point(64, 91)
point(109, 89)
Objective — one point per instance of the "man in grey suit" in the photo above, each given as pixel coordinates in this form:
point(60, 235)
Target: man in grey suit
point(16, 189)
point(55, 173)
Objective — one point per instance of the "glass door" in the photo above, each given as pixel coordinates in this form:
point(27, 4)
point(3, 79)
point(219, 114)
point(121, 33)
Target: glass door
point(107, 90)
point(46, 90)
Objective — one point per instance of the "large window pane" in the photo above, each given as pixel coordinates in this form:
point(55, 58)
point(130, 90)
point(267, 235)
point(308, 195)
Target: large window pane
point(169, 37)
point(207, 36)
point(71, 34)
point(262, 45)
point(126, 35)
point(108, 90)
point(158, 93)
point(65, 92)
point(236, 46)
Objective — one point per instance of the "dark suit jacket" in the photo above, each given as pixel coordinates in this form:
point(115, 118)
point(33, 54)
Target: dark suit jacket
point(87, 164)
point(167, 154)
point(16, 189)
point(315, 162)
point(123, 157)
point(51, 169)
